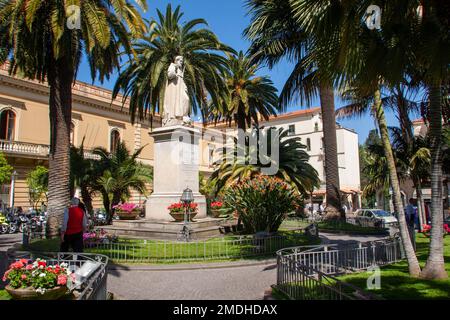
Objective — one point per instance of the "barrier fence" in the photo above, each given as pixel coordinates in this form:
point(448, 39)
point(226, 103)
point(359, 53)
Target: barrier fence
point(308, 273)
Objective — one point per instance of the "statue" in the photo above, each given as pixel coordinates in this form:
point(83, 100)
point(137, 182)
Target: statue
point(176, 99)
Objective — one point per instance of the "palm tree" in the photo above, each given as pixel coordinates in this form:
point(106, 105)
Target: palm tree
point(249, 96)
point(277, 32)
point(121, 172)
point(292, 163)
point(145, 77)
point(43, 45)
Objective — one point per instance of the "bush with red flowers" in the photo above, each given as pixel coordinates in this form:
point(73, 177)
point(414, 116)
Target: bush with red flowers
point(38, 275)
point(216, 205)
point(179, 207)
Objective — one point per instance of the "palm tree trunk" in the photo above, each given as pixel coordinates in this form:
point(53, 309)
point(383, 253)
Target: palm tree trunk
point(420, 205)
point(60, 105)
point(434, 268)
point(87, 198)
point(413, 263)
point(240, 118)
point(334, 208)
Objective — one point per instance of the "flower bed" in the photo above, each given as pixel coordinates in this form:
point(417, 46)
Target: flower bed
point(95, 238)
point(215, 209)
point(127, 211)
point(36, 280)
point(176, 210)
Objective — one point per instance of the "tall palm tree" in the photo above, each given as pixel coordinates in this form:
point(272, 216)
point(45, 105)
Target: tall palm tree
point(250, 96)
point(42, 44)
point(292, 163)
point(145, 77)
point(121, 172)
point(277, 32)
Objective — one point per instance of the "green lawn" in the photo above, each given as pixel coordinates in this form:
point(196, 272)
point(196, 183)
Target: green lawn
point(397, 284)
point(216, 249)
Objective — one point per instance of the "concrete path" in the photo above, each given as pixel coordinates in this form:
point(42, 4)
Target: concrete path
point(6, 242)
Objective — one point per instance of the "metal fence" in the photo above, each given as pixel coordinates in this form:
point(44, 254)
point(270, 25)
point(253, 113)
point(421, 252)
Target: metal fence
point(92, 287)
point(307, 273)
point(153, 251)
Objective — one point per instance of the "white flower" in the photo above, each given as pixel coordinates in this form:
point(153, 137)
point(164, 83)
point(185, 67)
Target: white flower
point(42, 275)
point(40, 290)
point(64, 265)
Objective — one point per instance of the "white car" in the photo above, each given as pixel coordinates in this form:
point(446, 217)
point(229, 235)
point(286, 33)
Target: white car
point(375, 218)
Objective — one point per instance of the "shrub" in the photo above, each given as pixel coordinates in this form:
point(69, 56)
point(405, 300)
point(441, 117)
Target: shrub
point(262, 203)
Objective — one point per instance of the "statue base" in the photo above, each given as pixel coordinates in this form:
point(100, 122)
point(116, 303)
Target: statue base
point(176, 167)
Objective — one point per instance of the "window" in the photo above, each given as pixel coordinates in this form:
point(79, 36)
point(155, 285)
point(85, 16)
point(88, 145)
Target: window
point(72, 133)
point(114, 140)
point(308, 144)
point(316, 126)
point(7, 125)
point(291, 130)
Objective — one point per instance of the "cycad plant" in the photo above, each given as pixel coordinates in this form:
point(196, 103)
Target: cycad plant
point(144, 78)
point(121, 173)
point(292, 162)
point(46, 41)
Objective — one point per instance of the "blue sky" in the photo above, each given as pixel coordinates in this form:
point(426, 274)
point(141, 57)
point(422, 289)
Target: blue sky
point(227, 18)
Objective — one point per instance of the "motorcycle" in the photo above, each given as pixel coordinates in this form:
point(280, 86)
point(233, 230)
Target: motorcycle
point(12, 221)
point(4, 227)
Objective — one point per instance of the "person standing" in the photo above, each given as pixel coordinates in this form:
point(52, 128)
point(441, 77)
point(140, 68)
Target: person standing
point(73, 227)
point(410, 214)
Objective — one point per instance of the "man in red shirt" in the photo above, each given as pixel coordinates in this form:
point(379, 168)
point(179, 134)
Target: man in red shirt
point(73, 227)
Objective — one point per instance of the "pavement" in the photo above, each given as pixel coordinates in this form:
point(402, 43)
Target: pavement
point(240, 280)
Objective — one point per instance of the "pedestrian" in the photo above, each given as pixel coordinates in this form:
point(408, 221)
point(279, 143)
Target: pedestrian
point(410, 214)
point(73, 227)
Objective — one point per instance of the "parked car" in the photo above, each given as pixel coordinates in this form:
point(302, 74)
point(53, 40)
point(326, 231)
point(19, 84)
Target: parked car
point(375, 218)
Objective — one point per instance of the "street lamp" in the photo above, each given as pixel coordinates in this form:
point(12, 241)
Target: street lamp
point(13, 184)
point(186, 198)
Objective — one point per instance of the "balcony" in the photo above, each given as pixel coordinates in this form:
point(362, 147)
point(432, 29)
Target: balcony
point(33, 150)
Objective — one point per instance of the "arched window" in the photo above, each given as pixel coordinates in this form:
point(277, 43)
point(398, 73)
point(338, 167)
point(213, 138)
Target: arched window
point(72, 133)
point(308, 144)
point(114, 140)
point(7, 125)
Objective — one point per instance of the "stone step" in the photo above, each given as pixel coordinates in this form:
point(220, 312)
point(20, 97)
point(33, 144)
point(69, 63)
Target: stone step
point(159, 234)
point(162, 225)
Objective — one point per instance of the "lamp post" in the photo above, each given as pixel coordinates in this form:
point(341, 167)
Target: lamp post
point(13, 184)
point(186, 198)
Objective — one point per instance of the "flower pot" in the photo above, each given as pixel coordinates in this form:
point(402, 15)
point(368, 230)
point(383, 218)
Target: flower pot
point(31, 294)
point(179, 216)
point(127, 215)
point(215, 213)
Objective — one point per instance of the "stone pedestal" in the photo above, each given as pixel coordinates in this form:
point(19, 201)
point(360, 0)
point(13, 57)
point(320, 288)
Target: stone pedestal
point(176, 167)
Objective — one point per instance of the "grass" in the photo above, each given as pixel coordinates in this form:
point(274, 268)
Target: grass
point(214, 250)
point(397, 284)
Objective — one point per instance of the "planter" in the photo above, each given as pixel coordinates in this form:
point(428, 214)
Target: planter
point(179, 216)
point(128, 215)
point(215, 213)
point(31, 294)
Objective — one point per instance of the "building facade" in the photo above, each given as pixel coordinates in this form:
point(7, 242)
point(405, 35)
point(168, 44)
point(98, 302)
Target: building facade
point(98, 122)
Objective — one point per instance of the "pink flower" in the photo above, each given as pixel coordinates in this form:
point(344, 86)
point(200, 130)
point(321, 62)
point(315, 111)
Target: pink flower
point(23, 276)
point(62, 280)
point(29, 267)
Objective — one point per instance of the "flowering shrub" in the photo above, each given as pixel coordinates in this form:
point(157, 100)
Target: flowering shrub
point(91, 239)
point(216, 205)
point(179, 207)
point(127, 207)
point(38, 275)
point(262, 202)
point(426, 230)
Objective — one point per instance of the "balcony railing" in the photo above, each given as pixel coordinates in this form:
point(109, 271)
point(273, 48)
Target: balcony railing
point(26, 148)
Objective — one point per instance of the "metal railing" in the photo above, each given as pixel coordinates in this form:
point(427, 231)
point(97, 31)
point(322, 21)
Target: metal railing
point(154, 251)
point(94, 287)
point(307, 273)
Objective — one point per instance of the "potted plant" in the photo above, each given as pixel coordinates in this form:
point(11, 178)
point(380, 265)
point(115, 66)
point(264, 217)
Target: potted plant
point(176, 210)
point(127, 211)
point(98, 237)
point(36, 280)
point(215, 209)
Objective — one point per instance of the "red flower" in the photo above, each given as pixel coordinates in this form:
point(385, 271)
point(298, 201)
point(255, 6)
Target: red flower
point(23, 276)
point(42, 263)
point(62, 280)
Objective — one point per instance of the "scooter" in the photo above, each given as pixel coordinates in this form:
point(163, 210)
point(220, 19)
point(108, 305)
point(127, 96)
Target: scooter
point(4, 227)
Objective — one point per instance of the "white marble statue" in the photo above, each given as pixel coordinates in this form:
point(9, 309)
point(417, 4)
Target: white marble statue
point(176, 99)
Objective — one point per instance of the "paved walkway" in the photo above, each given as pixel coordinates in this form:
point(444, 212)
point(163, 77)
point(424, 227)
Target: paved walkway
point(6, 242)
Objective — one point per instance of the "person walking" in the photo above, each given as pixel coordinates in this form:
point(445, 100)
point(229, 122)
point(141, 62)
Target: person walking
point(73, 227)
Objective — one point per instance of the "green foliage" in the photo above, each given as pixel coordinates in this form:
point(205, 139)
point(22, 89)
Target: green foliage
point(293, 166)
point(121, 172)
point(262, 202)
point(5, 169)
point(144, 79)
point(37, 182)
